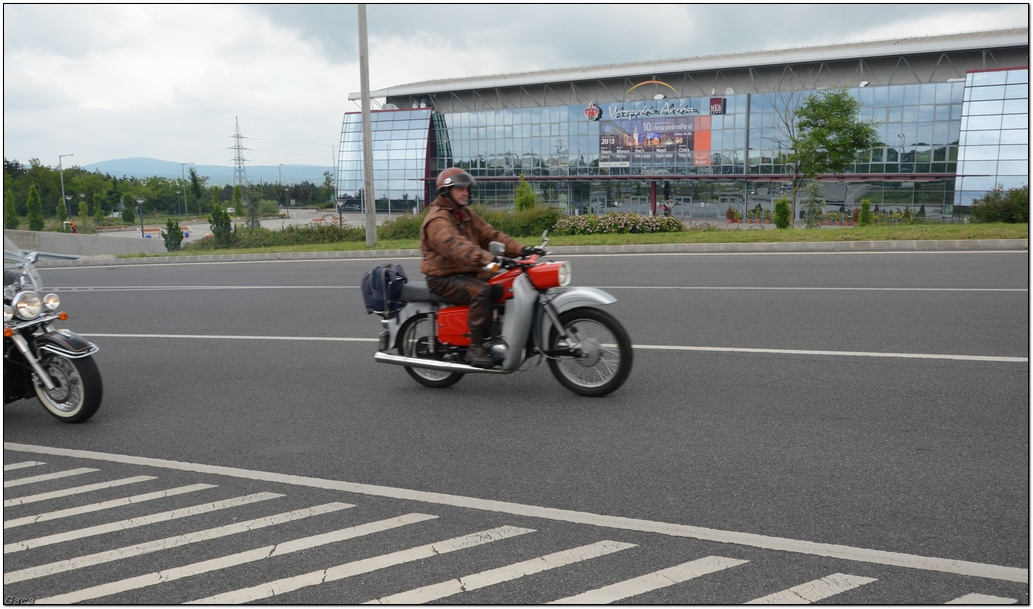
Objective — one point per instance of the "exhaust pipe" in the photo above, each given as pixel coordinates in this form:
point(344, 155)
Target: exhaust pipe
point(416, 362)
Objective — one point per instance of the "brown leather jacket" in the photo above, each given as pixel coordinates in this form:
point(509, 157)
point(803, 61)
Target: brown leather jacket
point(455, 240)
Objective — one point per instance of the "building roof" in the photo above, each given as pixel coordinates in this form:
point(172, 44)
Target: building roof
point(853, 50)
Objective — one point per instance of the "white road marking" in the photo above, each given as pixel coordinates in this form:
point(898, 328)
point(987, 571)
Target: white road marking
point(65, 492)
point(333, 339)
point(805, 352)
point(947, 356)
point(121, 525)
point(240, 558)
point(79, 562)
point(13, 466)
point(434, 592)
point(104, 505)
point(882, 557)
point(814, 591)
point(651, 581)
point(45, 477)
point(368, 565)
point(981, 599)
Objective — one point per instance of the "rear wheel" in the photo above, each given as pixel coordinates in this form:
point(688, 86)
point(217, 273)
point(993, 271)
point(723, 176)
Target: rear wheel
point(415, 340)
point(77, 391)
point(603, 347)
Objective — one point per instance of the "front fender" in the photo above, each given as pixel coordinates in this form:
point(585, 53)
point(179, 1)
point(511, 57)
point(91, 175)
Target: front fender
point(66, 343)
point(571, 298)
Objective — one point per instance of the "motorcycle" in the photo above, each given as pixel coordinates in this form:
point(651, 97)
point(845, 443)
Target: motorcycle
point(54, 365)
point(535, 315)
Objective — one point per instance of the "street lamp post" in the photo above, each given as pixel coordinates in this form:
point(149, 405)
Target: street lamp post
point(61, 168)
point(139, 212)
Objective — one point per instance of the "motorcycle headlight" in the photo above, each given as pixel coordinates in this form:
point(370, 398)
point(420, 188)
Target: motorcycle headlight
point(8, 313)
point(27, 305)
point(564, 274)
point(51, 302)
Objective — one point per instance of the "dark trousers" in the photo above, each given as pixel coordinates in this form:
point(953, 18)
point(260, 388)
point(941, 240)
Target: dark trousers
point(463, 289)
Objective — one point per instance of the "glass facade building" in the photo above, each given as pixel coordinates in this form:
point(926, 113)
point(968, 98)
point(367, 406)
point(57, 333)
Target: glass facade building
point(943, 141)
point(994, 134)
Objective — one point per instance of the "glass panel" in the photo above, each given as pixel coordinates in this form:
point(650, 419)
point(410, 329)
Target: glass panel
point(989, 78)
point(979, 108)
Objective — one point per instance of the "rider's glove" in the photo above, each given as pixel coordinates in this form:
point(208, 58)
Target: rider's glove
point(533, 250)
point(506, 263)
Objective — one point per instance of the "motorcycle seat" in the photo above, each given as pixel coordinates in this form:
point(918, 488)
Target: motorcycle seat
point(416, 291)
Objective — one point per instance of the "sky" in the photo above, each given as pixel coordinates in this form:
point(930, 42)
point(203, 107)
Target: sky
point(171, 82)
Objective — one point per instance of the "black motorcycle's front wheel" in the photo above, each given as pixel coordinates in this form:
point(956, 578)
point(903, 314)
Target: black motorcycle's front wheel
point(77, 391)
point(603, 348)
point(415, 340)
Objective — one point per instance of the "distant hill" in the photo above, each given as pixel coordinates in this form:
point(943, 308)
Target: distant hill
point(218, 175)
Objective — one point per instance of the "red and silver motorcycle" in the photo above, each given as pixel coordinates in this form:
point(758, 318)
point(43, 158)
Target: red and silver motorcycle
point(536, 316)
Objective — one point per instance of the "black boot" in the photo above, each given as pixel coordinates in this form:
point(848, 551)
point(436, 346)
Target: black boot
point(476, 354)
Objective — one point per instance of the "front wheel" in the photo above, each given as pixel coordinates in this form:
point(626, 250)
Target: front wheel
point(415, 340)
point(603, 348)
point(77, 388)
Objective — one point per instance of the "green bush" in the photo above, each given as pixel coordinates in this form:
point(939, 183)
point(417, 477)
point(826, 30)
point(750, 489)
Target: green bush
point(866, 218)
point(999, 205)
point(173, 235)
point(222, 227)
point(406, 226)
point(782, 213)
point(528, 223)
point(524, 198)
point(268, 208)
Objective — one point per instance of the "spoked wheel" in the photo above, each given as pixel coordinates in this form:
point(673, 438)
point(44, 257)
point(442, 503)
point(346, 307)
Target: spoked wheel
point(603, 347)
point(415, 340)
point(78, 390)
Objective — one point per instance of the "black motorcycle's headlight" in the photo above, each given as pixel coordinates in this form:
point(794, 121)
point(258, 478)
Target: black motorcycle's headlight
point(8, 313)
point(27, 305)
point(51, 302)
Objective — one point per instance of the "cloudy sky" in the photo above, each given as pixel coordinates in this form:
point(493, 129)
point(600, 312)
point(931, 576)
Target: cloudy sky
point(112, 81)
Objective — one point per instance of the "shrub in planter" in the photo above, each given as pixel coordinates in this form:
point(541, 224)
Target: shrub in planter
point(865, 218)
point(782, 213)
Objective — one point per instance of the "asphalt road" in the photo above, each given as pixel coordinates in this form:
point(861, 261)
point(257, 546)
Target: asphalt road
point(814, 415)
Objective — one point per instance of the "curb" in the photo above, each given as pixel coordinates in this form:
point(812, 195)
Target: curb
point(956, 245)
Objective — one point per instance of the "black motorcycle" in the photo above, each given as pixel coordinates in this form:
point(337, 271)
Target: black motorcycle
point(51, 364)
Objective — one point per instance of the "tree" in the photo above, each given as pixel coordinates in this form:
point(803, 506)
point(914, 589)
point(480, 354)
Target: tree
point(328, 186)
point(825, 136)
point(222, 227)
point(525, 198)
point(814, 205)
point(98, 208)
point(173, 235)
point(35, 207)
point(83, 215)
point(61, 213)
point(11, 220)
point(251, 203)
point(129, 212)
point(783, 215)
point(866, 219)
point(196, 187)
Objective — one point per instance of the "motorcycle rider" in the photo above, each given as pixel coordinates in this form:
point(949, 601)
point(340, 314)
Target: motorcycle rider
point(454, 240)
